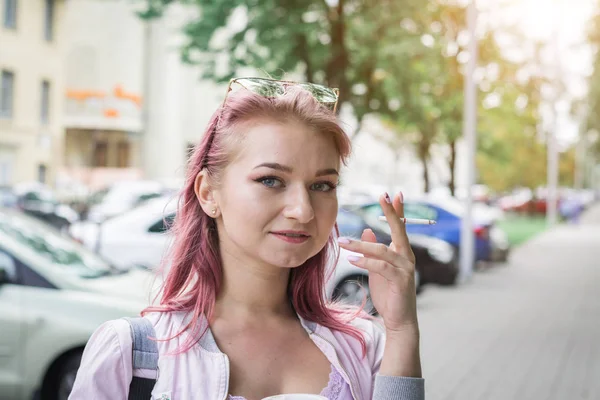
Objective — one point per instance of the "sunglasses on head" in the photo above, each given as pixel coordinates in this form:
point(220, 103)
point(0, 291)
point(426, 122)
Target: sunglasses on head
point(272, 88)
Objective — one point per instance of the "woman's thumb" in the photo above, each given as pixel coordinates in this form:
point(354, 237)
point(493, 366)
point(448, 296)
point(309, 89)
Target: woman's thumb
point(368, 236)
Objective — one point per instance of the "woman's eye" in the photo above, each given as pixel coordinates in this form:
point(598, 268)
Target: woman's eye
point(271, 182)
point(323, 186)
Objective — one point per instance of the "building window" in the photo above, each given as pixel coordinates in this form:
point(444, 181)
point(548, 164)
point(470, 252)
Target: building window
point(49, 20)
point(7, 83)
point(10, 14)
point(123, 154)
point(42, 171)
point(45, 103)
point(101, 154)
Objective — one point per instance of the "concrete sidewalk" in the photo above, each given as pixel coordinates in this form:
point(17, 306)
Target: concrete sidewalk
point(526, 330)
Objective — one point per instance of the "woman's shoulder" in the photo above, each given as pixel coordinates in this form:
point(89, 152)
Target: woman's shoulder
point(106, 358)
point(119, 330)
point(114, 331)
point(167, 323)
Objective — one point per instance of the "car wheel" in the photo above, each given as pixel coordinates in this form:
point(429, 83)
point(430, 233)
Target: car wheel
point(503, 259)
point(353, 290)
point(65, 378)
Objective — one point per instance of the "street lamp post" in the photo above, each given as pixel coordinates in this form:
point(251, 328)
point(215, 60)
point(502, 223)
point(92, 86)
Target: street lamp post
point(551, 142)
point(467, 239)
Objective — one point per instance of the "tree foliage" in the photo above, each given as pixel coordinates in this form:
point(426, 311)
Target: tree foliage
point(400, 59)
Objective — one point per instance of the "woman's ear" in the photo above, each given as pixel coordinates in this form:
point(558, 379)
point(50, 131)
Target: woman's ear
point(205, 195)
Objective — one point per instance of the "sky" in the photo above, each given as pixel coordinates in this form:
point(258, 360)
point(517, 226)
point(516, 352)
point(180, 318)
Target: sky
point(565, 23)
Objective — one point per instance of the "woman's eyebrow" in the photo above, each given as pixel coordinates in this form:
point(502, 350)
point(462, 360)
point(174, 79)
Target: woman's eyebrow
point(289, 170)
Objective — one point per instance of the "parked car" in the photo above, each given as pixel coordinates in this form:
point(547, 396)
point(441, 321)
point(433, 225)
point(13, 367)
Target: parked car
point(135, 238)
point(437, 260)
point(53, 294)
point(447, 212)
point(39, 201)
point(350, 284)
point(121, 197)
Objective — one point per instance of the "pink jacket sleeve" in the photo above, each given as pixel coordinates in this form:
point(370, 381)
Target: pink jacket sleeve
point(106, 367)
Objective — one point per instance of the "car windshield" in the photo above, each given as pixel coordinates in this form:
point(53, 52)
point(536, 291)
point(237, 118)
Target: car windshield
point(349, 224)
point(38, 243)
point(130, 194)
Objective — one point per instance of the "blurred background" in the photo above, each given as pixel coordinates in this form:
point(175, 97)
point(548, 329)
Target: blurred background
point(484, 114)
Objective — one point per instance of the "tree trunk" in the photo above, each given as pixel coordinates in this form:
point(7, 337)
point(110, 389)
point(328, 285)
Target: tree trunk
point(304, 54)
point(452, 165)
point(425, 174)
point(424, 146)
point(339, 60)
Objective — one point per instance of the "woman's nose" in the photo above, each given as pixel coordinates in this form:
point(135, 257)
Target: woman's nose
point(299, 206)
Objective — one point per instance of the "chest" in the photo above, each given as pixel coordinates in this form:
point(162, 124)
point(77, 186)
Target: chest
point(255, 368)
point(267, 366)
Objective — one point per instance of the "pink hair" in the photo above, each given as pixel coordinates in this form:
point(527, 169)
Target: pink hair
point(195, 275)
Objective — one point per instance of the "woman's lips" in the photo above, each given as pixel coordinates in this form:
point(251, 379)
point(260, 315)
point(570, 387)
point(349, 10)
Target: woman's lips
point(292, 237)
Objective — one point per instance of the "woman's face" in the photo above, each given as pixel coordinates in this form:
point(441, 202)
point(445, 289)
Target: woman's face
point(277, 198)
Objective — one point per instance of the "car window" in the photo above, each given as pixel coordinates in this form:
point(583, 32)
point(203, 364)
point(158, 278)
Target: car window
point(7, 263)
point(147, 196)
point(373, 210)
point(371, 214)
point(98, 197)
point(349, 223)
point(163, 224)
point(40, 244)
point(422, 211)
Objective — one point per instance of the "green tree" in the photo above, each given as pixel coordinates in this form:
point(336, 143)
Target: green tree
point(425, 77)
point(333, 43)
point(592, 122)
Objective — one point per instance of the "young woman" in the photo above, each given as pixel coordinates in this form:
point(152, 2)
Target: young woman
point(243, 312)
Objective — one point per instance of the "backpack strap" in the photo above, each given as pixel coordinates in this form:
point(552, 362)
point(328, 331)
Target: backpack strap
point(145, 356)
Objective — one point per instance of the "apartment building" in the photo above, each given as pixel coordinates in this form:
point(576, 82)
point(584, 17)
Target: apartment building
point(117, 69)
point(31, 96)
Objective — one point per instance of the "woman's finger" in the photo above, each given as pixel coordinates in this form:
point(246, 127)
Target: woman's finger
point(402, 238)
point(377, 251)
point(383, 268)
point(393, 211)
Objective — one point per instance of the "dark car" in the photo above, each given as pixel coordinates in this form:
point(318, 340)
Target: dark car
point(437, 260)
point(40, 203)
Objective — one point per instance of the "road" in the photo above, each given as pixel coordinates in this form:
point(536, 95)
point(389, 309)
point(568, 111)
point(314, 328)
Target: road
point(527, 330)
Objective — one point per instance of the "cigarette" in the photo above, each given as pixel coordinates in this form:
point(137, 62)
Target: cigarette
point(414, 221)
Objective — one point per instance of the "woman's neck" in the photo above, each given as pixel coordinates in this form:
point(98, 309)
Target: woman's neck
point(251, 289)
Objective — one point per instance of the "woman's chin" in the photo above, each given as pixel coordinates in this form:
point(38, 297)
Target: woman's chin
point(291, 262)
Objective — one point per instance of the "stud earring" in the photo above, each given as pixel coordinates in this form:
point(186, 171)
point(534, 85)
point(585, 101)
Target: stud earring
point(214, 212)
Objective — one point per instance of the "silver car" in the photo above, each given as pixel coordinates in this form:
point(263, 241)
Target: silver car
point(53, 294)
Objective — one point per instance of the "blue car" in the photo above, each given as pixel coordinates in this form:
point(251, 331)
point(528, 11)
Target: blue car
point(447, 213)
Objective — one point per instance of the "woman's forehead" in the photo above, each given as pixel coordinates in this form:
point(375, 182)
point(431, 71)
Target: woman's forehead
point(293, 143)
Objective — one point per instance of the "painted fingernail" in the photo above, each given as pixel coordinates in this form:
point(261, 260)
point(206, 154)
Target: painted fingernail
point(353, 258)
point(401, 197)
point(343, 240)
point(387, 198)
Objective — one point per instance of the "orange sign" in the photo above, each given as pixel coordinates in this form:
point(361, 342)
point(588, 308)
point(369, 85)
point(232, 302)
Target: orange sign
point(118, 93)
point(82, 95)
point(111, 113)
